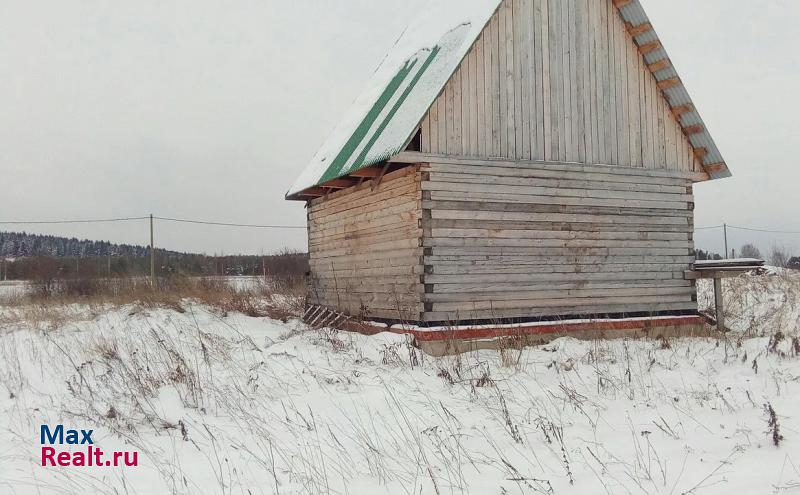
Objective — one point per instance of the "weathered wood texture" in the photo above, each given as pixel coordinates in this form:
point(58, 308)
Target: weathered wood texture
point(557, 80)
point(521, 240)
point(365, 248)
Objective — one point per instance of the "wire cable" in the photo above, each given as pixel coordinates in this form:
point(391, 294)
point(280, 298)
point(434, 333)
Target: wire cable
point(763, 230)
point(224, 224)
point(259, 226)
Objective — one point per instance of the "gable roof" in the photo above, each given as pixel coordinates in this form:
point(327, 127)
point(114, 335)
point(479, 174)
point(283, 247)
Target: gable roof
point(385, 117)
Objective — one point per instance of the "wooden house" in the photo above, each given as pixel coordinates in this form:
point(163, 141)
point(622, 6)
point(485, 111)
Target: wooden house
point(512, 160)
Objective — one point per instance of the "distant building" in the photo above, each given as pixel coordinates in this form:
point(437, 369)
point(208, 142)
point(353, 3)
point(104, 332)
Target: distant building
point(512, 159)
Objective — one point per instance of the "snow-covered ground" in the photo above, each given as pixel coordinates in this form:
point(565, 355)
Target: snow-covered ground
point(757, 305)
point(232, 404)
point(10, 289)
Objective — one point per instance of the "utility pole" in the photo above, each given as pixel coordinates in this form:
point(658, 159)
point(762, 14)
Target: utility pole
point(109, 265)
point(725, 230)
point(152, 256)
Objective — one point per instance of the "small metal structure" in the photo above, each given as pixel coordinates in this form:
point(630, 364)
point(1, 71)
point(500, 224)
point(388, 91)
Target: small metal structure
point(717, 270)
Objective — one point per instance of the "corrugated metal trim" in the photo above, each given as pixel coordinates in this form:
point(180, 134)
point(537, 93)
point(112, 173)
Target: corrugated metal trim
point(676, 95)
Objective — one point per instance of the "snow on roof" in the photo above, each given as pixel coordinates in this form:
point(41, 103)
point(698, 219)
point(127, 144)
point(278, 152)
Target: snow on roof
point(729, 262)
point(383, 118)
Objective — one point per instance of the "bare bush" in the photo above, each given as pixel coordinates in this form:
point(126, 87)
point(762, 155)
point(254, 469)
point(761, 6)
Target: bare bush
point(779, 256)
point(749, 251)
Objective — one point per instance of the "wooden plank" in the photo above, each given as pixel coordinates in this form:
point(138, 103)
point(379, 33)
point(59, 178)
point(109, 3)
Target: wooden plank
point(462, 233)
point(650, 47)
point(555, 217)
point(591, 10)
point(452, 136)
point(694, 129)
point(559, 170)
point(544, 278)
point(522, 20)
point(466, 104)
point(550, 152)
point(480, 96)
point(544, 243)
point(621, 64)
point(577, 261)
point(463, 290)
point(425, 133)
point(431, 143)
point(634, 109)
point(577, 303)
point(537, 118)
point(559, 226)
point(662, 131)
point(510, 73)
point(582, 68)
point(536, 269)
point(640, 29)
point(662, 64)
point(415, 157)
point(681, 109)
point(529, 312)
point(557, 181)
point(503, 81)
point(458, 130)
point(563, 202)
point(496, 90)
point(567, 79)
point(533, 297)
point(525, 190)
point(441, 112)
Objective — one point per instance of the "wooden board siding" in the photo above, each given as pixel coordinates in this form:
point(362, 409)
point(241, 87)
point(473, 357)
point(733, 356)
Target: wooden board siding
point(364, 248)
point(557, 80)
point(516, 239)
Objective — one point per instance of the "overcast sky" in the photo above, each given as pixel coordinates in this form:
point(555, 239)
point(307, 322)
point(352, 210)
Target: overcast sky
point(208, 110)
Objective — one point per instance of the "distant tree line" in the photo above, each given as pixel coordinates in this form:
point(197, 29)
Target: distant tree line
point(31, 257)
point(23, 245)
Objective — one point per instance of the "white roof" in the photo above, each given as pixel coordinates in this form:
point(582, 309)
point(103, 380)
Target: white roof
point(383, 118)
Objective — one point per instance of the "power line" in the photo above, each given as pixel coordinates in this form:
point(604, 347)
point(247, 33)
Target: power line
point(260, 226)
point(750, 229)
point(223, 224)
point(56, 222)
point(166, 219)
point(764, 230)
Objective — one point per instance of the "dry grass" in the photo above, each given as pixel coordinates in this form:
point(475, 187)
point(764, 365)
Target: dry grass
point(758, 305)
point(53, 305)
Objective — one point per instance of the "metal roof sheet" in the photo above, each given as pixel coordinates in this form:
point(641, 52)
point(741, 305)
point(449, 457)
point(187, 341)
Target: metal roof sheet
point(383, 119)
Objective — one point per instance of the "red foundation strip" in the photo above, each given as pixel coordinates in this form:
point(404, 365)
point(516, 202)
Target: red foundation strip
point(486, 332)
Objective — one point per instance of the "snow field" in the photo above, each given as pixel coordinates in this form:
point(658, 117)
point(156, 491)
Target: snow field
point(231, 404)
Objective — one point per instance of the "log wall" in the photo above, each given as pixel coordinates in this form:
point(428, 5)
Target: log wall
point(364, 248)
point(510, 239)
